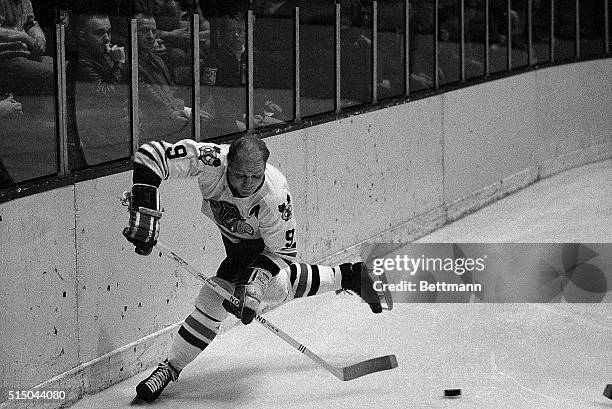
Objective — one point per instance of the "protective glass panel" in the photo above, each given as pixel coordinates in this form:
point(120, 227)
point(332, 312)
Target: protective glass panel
point(355, 52)
point(164, 70)
point(449, 41)
point(475, 37)
point(391, 50)
point(274, 61)
point(421, 47)
point(565, 29)
point(592, 28)
point(28, 141)
point(98, 84)
point(317, 57)
point(519, 18)
point(541, 31)
point(224, 70)
point(498, 35)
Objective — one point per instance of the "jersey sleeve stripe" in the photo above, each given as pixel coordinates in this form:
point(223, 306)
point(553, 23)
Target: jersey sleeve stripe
point(150, 156)
point(155, 159)
point(159, 148)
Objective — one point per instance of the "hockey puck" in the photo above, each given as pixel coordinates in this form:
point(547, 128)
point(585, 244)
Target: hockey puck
point(452, 393)
point(608, 391)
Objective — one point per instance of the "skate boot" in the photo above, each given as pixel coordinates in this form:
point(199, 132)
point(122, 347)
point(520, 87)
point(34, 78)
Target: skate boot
point(150, 388)
point(355, 278)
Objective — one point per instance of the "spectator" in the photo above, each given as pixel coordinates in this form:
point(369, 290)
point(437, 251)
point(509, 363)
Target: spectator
point(101, 92)
point(173, 20)
point(27, 69)
point(163, 115)
point(230, 58)
point(99, 62)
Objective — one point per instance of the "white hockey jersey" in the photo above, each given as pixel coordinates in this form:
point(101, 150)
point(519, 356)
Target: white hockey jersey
point(267, 214)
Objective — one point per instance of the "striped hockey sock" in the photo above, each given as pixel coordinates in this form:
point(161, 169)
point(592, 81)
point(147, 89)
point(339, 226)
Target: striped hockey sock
point(311, 279)
point(196, 333)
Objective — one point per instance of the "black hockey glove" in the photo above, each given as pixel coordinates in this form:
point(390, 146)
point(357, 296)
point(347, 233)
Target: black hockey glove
point(143, 228)
point(250, 296)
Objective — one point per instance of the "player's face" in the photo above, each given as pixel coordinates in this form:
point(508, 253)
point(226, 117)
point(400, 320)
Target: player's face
point(246, 176)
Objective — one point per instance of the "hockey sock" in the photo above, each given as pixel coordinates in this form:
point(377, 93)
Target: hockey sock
point(196, 333)
point(311, 279)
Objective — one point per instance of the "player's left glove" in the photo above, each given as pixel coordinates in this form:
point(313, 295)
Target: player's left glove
point(250, 296)
point(143, 228)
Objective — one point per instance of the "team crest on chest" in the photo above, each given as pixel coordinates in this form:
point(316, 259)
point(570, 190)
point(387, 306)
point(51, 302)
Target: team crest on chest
point(209, 155)
point(286, 209)
point(227, 215)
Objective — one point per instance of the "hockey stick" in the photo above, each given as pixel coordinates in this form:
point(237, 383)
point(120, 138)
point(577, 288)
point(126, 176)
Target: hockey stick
point(345, 373)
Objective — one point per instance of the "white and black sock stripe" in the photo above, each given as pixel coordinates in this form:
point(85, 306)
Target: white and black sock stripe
point(305, 279)
point(199, 329)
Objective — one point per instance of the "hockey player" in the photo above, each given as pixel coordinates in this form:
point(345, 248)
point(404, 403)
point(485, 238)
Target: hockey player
point(248, 199)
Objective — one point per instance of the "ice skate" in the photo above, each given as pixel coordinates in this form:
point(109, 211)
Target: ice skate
point(355, 278)
point(150, 388)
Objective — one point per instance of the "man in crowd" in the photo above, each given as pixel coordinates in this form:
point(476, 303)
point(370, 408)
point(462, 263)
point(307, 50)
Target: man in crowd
point(101, 91)
point(29, 72)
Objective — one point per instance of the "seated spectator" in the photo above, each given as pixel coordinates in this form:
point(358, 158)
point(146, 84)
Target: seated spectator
point(163, 115)
point(101, 91)
point(99, 62)
point(230, 59)
point(173, 38)
point(27, 70)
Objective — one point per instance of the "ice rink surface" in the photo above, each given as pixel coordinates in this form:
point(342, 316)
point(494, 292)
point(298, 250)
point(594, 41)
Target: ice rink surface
point(510, 356)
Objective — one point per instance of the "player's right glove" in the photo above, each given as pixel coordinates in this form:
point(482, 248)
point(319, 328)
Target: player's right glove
point(143, 228)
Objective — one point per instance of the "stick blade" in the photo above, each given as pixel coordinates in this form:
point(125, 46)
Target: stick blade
point(382, 363)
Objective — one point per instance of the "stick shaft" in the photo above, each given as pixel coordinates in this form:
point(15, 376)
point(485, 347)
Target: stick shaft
point(163, 249)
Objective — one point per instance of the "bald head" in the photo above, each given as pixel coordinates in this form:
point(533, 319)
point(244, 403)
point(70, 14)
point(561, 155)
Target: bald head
point(248, 148)
point(246, 165)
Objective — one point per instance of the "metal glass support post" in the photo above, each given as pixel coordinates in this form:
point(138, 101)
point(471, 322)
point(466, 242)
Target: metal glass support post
point(297, 91)
point(135, 120)
point(407, 47)
point(337, 54)
point(62, 106)
point(487, 40)
point(578, 29)
point(195, 111)
point(509, 34)
point(250, 121)
point(374, 51)
point(552, 30)
point(462, 39)
point(530, 56)
point(606, 26)
point(436, 78)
